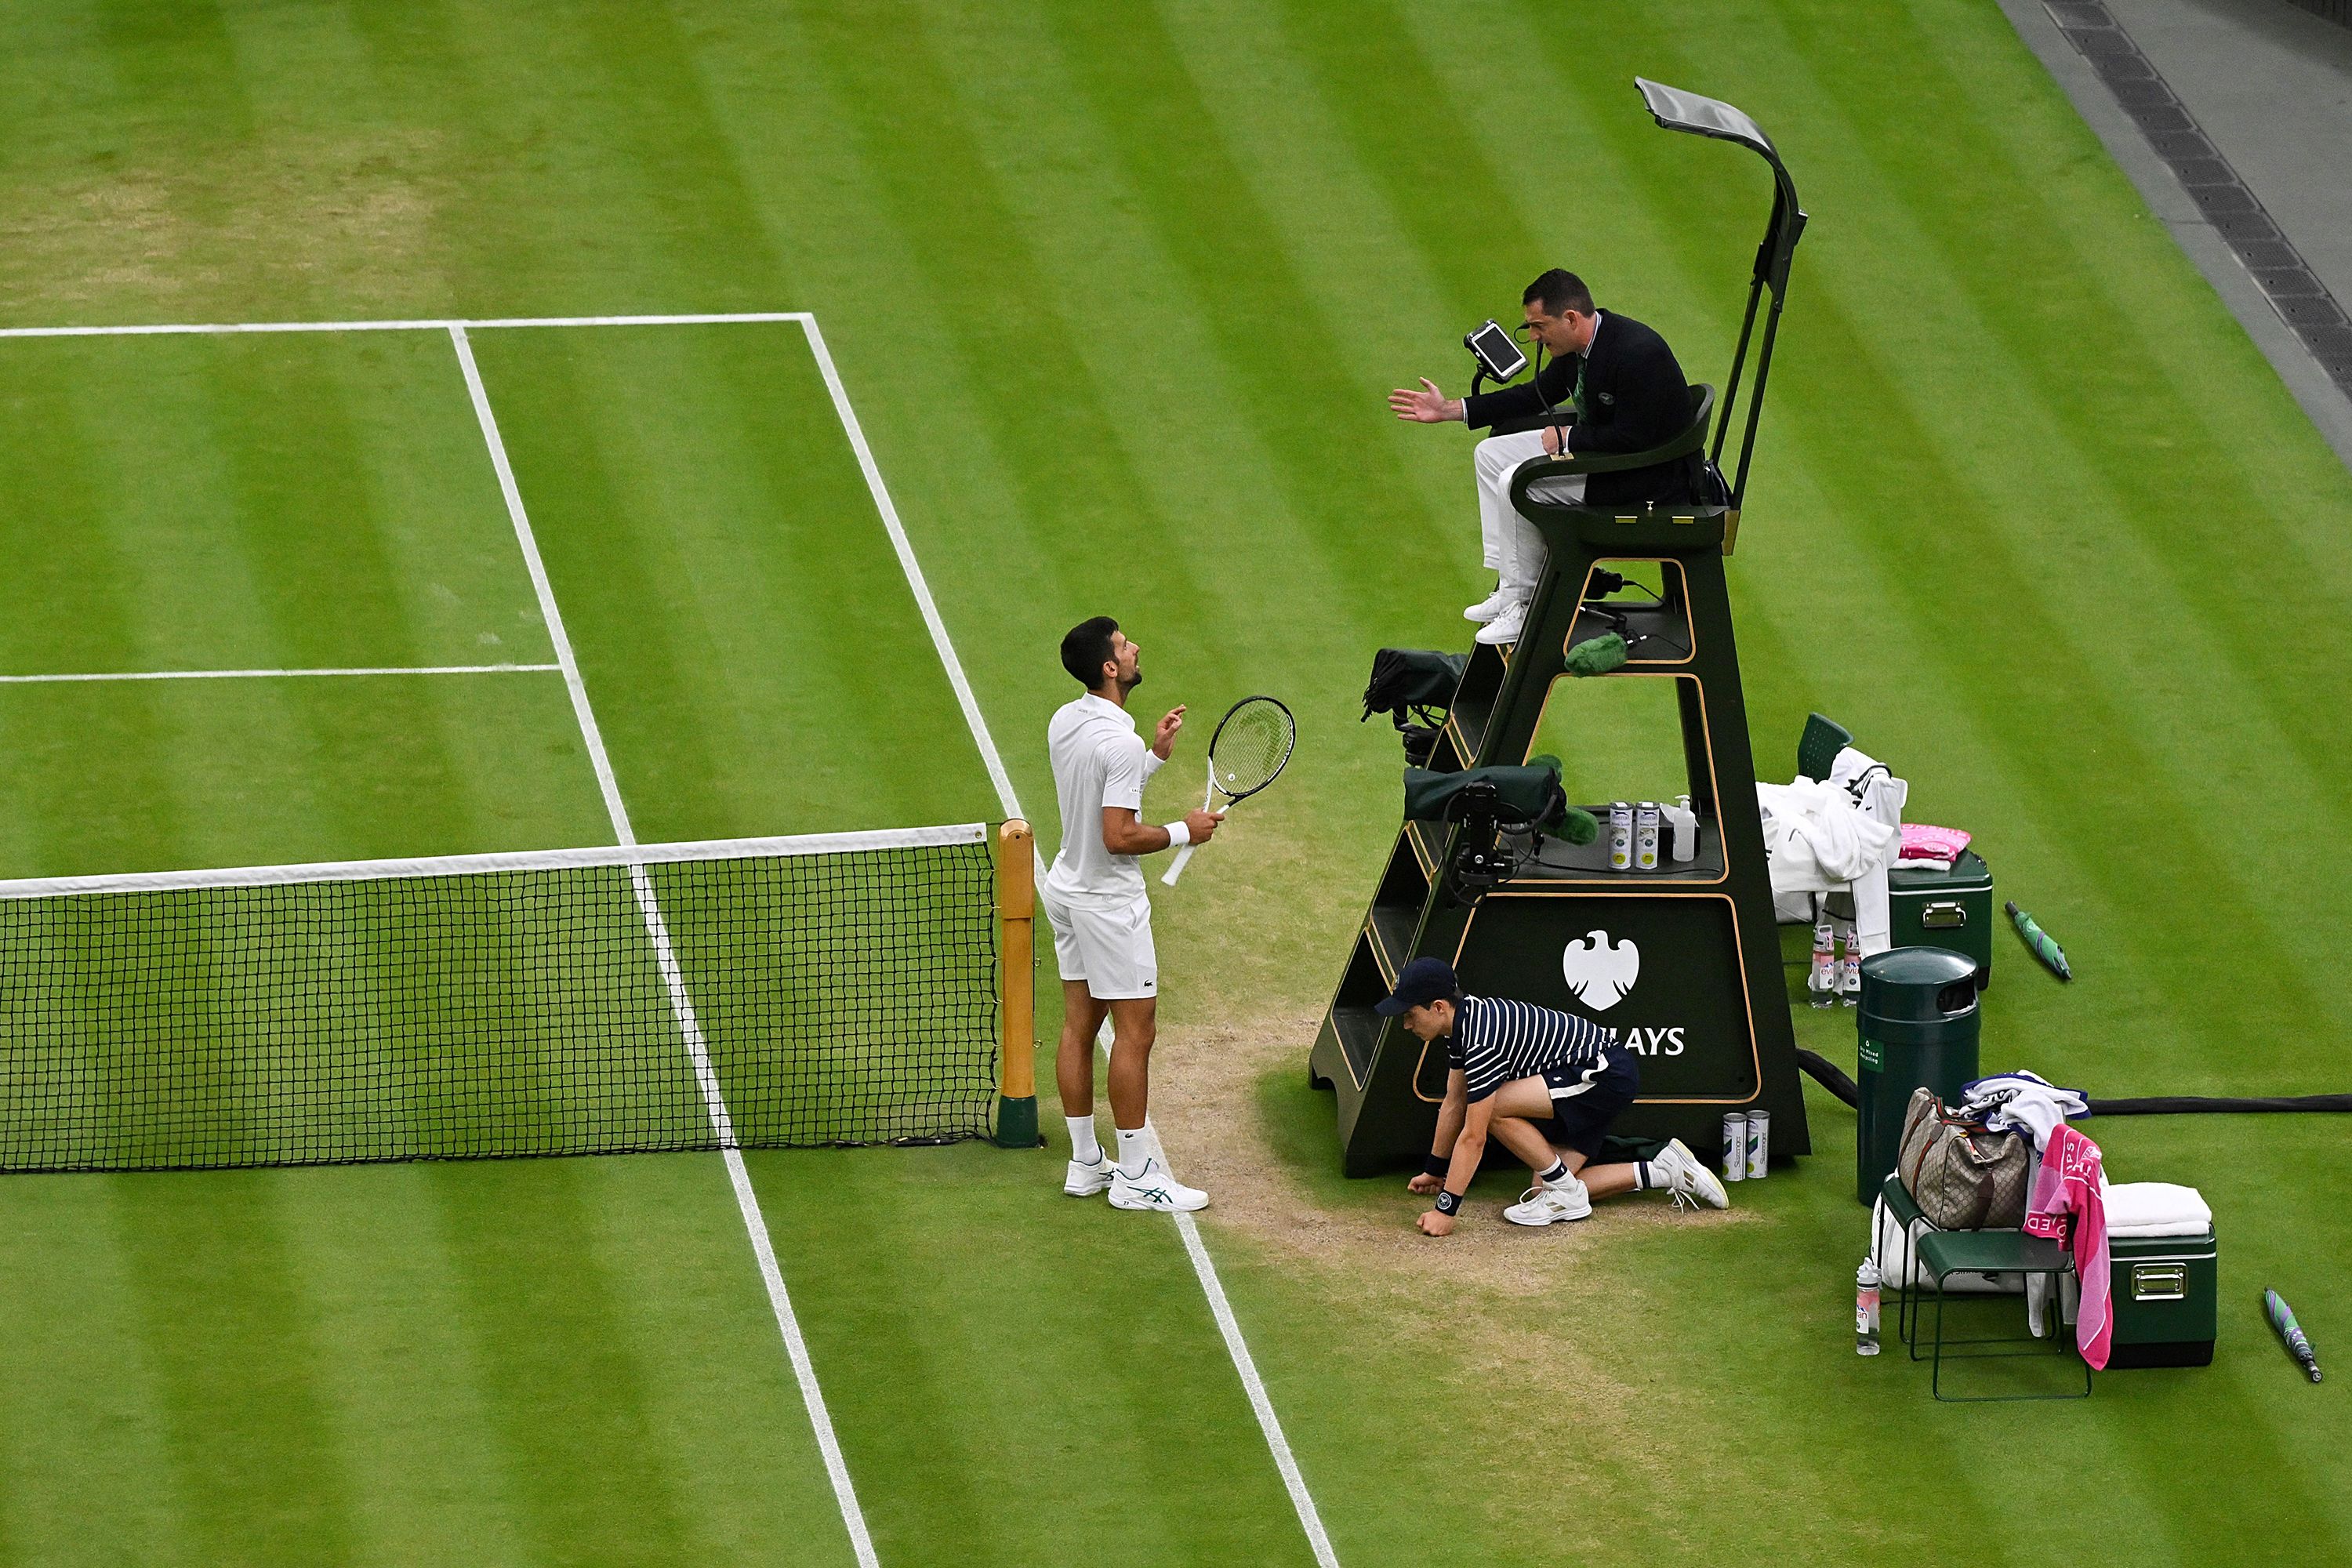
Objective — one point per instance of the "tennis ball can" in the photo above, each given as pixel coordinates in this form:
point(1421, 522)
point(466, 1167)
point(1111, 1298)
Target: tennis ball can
point(1620, 836)
point(1735, 1146)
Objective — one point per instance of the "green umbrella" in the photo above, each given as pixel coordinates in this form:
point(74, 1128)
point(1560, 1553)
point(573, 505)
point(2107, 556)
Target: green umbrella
point(2045, 949)
point(2282, 1318)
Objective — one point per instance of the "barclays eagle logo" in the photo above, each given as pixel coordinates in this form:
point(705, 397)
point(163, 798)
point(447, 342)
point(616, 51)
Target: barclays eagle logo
point(1599, 975)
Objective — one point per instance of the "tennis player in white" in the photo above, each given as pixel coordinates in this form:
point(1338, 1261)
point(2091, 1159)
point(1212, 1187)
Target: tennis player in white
point(1094, 899)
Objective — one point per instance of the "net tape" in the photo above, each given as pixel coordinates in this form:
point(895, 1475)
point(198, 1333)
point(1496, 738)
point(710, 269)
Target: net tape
point(845, 986)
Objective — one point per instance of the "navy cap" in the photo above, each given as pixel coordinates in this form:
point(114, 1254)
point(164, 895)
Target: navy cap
point(1420, 983)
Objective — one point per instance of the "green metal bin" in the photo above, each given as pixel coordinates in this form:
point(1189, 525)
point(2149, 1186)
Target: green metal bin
point(1918, 1026)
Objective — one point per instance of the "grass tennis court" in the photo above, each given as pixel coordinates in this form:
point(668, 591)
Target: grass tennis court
point(1115, 294)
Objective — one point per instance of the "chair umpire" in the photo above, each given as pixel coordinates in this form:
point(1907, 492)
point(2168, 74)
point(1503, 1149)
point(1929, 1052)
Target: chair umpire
point(1613, 386)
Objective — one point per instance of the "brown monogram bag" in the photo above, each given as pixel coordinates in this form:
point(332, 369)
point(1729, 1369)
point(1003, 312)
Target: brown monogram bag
point(1962, 1177)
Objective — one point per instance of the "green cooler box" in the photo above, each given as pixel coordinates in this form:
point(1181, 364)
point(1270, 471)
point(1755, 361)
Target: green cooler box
point(2163, 1291)
point(1951, 909)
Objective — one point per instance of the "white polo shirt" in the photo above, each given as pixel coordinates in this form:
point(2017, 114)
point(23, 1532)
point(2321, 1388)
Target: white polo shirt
point(1098, 761)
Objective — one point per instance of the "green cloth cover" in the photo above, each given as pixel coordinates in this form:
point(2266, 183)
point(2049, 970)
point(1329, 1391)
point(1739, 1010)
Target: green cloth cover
point(1531, 793)
point(1597, 656)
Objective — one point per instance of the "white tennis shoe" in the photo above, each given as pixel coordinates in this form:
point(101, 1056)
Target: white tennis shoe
point(1548, 1202)
point(1085, 1180)
point(1487, 608)
point(1506, 628)
point(1689, 1179)
point(1154, 1189)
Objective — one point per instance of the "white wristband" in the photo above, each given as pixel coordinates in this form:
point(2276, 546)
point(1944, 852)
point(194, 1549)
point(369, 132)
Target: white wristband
point(1179, 835)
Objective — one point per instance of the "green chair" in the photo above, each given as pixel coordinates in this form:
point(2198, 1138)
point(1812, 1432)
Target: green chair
point(1818, 747)
point(1949, 1252)
point(1907, 1213)
point(1536, 469)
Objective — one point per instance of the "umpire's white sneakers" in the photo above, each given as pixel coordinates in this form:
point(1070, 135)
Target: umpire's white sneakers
point(1548, 1203)
point(1688, 1178)
point(1507, 627)
point(1487, 608)
point(1154, 1189)
point(1084, 1179)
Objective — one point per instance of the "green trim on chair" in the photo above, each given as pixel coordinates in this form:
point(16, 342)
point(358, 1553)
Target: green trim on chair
point(1949, 1252)
point(1907, 1213)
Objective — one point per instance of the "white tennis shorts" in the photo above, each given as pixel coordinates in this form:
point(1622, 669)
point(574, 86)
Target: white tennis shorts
point(1111, 950)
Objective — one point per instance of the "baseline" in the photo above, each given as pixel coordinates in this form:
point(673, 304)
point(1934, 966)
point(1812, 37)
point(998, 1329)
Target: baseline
point(417, 324)
point(277, 674)
point(1229, 1326)
point(747, 1201)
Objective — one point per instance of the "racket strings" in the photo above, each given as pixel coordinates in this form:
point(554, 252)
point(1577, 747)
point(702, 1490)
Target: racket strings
point(1251, 746)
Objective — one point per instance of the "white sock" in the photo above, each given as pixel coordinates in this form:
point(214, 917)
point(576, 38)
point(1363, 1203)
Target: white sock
point(1133, 1151)
point(1556, 1175)
point(1648, 1174)
point(1083, 1146)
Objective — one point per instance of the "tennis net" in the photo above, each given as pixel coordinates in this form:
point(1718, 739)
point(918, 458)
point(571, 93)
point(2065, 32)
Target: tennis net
point(831, 988)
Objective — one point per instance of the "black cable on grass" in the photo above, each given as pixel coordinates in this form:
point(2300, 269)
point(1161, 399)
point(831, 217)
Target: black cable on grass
point(1827, 1073)
point(1830, 1076)
point(2192, 1104)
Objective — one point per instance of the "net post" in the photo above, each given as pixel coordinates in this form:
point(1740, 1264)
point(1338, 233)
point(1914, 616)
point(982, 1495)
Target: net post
point(1017, 903)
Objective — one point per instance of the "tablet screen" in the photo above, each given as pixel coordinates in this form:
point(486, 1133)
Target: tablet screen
point(1497, 353)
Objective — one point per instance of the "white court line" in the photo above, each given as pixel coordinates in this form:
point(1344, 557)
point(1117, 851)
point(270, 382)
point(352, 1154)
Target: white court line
point(1269, 1423)
point(275, 674)
point(747, 1201)
point(436, 324)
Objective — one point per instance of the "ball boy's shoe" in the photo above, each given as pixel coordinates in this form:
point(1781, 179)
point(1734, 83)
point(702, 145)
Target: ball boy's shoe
point(1551, 1202)
point(1687, 1178)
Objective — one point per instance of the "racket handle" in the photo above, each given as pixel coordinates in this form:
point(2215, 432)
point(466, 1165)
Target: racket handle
point(1176, 867)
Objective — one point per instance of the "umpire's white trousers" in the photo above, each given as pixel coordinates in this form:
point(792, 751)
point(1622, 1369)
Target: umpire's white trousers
point(1512, 546)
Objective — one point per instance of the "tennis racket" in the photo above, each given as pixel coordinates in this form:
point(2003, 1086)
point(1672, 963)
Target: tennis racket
point(1247, 753)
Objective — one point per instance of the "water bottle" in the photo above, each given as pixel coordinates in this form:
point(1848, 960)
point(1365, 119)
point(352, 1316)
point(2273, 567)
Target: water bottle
point(1849, 969)
point(1865, 1308)
point(1823, 982)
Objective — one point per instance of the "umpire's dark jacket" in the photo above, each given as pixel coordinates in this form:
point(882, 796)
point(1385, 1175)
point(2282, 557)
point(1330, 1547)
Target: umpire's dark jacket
point(1634, 399)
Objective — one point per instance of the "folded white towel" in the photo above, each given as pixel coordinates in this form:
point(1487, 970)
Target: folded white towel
point(2157, 1208)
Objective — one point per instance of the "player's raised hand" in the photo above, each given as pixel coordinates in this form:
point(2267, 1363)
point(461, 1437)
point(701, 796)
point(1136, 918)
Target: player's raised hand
point(1426, 406)
point(1424, 1183)
point(1164, 734)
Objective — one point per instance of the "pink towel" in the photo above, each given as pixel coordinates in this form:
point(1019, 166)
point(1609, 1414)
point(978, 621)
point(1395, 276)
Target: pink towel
point(1923, 843)
point(2067, 1187)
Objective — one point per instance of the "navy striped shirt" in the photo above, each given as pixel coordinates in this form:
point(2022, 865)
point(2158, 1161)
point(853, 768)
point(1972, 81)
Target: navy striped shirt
point(1494, 1043)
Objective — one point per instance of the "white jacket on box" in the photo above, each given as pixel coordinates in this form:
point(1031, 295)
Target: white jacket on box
point(1836, 836)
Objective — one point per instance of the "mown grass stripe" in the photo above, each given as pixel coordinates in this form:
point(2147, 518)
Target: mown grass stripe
point(236, 1348)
